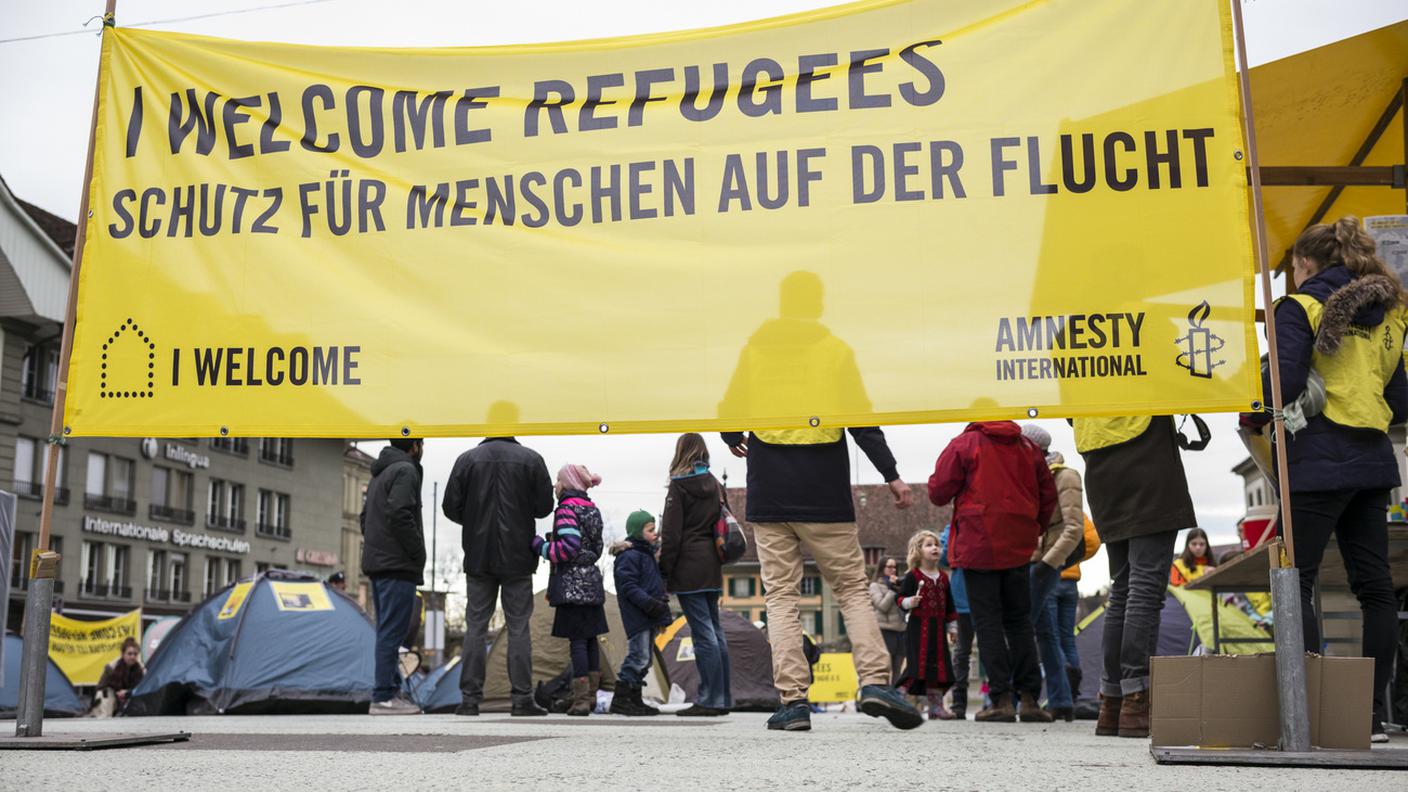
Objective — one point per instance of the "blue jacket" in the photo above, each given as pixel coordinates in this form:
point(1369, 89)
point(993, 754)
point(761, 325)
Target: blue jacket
point(640, 591)
point(1325, 456)
point(957, 587)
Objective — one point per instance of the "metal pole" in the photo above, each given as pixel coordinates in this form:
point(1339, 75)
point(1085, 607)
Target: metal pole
point(29, 718)
point(1285, 598)
point(434, 509)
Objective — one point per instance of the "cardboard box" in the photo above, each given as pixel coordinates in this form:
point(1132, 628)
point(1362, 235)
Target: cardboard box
point(1231, 702)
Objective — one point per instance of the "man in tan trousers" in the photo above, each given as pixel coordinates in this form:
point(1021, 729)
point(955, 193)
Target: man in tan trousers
point(799, 496)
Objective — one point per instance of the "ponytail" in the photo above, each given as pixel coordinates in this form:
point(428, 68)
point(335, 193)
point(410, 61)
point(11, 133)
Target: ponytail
point(1345, 243)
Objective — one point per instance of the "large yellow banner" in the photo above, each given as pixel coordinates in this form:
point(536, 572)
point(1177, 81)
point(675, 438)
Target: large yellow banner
point(884, 212)
point(82, 648)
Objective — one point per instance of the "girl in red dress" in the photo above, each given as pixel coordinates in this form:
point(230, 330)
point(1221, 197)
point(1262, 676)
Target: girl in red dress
point(924, 594)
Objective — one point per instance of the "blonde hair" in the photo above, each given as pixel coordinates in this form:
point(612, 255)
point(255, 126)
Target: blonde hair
point(1345, 242)
point(916, 542)
point(690, 448)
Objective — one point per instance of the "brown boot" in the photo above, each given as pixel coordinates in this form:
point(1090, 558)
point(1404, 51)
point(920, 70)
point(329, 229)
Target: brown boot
point(1134, 715)
point(582, 697)
point(1001, 710)
point(1108, 724)
point(1032, 711)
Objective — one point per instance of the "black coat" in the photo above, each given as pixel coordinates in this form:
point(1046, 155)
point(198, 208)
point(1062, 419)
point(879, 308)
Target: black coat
point(1324, 455)
point(640, 591)
point(689, 559)
point(495, 492)
point(808, 482)
point(393, 539)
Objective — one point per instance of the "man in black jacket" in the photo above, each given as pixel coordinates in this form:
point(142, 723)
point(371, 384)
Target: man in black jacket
point(495, 493)
point(393, 557)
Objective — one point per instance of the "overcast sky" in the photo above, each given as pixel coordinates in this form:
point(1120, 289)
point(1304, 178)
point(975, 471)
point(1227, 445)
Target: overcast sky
point(46, 90)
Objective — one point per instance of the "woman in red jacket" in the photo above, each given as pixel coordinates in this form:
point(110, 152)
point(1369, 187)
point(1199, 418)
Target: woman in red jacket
point(1003, 496)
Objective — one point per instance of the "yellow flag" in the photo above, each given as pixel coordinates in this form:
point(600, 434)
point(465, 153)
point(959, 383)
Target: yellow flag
point(885, 212)
point(82, 648)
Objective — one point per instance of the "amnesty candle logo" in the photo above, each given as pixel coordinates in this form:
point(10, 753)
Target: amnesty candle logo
point(128, 364)
point(1199, 346)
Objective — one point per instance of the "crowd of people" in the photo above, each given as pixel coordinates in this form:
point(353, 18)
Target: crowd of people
point(1002, 573)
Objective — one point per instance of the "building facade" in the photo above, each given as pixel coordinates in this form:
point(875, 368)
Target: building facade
point(884, 533)
point(156, 524)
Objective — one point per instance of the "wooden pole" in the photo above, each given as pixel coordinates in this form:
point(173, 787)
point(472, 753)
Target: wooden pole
point(56, 422)
point(1259, 229)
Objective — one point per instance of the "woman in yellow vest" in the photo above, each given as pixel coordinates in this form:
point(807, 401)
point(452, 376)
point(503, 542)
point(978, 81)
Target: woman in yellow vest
point(1346, 323)
point(1195, 559)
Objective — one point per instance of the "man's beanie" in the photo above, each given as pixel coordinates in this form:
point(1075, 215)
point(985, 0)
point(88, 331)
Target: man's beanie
point(1037, 435)
point(635, 524)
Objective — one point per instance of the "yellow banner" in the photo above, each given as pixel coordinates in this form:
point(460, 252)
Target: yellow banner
point(81, 648)
point(885, 212)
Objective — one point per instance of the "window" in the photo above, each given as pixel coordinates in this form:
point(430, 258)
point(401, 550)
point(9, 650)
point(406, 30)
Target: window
point(108, 484)
point(117, 572)
point(104, 570)
point(39, 370)
point(176, 575)
point(811, 586)
point(210, 581)
point(230, 445)
point(19, 566)
point(276, 450)
point(232, 570)
point(156, 572)
point(92, 563)
point(273, 514)
point(740, 588)
point(817, 623)
point(171, 495)
point(763, 615)
point(31, 459)
point(225, 505)
point(873, 556)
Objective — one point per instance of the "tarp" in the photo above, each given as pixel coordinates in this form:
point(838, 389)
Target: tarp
point(1232, 621)
point(1176, 637)
point(281, 642)
point(282, 236)
point(550, 657)
point(1317, 108)
point(83, 648)
point(60, 699)
point(749, 655)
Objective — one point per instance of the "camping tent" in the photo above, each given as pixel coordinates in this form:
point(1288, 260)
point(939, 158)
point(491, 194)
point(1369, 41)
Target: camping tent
point(1176, 637)
point(282, 642)
point(60, 699)
point(550, 658)
point(750, 661)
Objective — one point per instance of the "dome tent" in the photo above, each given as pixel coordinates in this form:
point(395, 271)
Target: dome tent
point(281, 642)
point(750, 661)
point(60, 699)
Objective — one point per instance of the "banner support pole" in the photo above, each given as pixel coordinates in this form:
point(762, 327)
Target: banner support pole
point(44, 566)
point(1285, 580)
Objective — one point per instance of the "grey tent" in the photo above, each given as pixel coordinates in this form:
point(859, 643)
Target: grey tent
point(750, 661)
point(282, 642)
point(60, 699)
point(550, 658)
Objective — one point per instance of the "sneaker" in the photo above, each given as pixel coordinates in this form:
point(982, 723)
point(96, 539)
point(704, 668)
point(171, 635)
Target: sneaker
point(796, 716)
point(882, 701)
point(395, 706)
point(1377, 734)
point(467, 709)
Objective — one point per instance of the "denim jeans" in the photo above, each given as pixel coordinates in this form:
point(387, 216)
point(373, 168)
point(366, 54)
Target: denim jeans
point(638, 659)
point(1053, 664)
point(1000, 602)
point(1138, 582)
point(395, 607)
point(1359, 522)
point(701, 610)
point(1062, 605)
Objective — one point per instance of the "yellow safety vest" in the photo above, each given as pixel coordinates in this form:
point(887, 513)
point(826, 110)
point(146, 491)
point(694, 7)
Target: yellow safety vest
point(1356, 374)
point(1093, 434)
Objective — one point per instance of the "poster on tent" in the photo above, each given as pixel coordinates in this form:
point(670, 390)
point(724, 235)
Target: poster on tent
point(82, 648)
point(302, 597)
point(891, 211)
point(1390, 233)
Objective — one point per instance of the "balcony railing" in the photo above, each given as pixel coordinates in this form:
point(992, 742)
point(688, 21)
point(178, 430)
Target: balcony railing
point(36, 393)
point(109, 503)
point(89, 590)
point(167, 595)
point(231, 445)
point(273, 531)
point(35, 490)
point(170, 514)
point(221, 522)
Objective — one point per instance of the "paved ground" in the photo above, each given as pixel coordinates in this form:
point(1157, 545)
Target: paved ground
point(433, 752)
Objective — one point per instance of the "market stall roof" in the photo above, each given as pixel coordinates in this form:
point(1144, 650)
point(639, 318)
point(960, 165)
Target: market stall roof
point(1336, 105)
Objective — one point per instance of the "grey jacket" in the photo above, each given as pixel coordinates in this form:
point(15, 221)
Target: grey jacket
point(887, 610)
